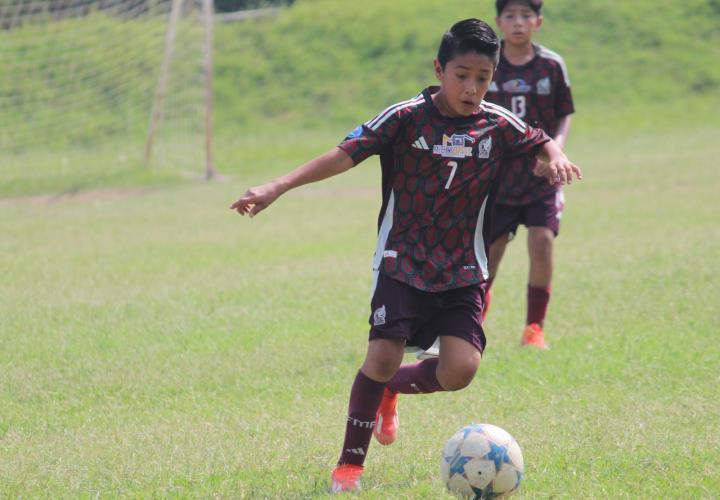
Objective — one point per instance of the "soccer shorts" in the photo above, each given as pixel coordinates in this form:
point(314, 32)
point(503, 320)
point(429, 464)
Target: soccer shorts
point(400, 311)
point(545, 212)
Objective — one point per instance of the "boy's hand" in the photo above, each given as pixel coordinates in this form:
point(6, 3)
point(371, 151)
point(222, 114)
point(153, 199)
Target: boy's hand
point(256, 199)
point(557, 170)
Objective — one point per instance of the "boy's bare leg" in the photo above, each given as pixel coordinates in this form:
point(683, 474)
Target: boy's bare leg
point(541, 242)
point(459, 360)
point(383, 358)
point(497, 250)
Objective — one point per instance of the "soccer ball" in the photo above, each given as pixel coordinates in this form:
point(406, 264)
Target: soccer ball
point(482, 461)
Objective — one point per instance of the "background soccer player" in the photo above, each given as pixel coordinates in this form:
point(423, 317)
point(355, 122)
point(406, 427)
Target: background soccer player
point(533, 83)
point(440, 153)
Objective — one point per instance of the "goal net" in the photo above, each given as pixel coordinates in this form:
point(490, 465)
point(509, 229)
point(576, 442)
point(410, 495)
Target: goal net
point(119, 82)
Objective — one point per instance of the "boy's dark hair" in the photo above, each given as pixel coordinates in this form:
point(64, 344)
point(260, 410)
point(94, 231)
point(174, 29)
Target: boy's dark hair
point(468, 35)
point(535, 5)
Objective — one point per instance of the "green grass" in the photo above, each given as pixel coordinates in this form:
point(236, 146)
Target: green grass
point(155, 344)
point(302, 79)
point(324, 61)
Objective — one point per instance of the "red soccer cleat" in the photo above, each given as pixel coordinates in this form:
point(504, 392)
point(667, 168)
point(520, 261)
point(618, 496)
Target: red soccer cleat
point(387, 421)
point(346, 477)
point(534, 336)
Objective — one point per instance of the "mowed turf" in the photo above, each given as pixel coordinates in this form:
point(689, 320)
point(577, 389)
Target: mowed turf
point(155, 344)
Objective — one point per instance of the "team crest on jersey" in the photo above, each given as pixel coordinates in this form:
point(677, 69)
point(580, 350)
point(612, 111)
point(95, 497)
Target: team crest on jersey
point(357, 132)
point(516, 85)
point(543, 86)
point(454, 146)
point(484, 147)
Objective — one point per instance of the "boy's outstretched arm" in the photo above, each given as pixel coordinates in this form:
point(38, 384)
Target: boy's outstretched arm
point(326, 165)
point(554, 165)
point(563, 130)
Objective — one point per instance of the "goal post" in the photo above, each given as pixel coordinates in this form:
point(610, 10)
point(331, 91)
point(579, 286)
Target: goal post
point(126, 80)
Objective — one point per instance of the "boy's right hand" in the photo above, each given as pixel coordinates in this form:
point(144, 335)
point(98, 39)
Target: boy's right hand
point(256, 199)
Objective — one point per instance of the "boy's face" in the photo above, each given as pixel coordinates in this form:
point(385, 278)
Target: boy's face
point(518, 22)
point(464, 82)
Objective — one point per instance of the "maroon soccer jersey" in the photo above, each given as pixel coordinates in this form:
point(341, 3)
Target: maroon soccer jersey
point(437, 180)
point(539, 93)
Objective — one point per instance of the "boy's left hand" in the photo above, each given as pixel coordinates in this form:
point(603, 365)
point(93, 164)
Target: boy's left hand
point(558, 170)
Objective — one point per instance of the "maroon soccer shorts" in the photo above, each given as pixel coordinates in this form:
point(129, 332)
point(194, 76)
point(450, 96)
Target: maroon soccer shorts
point(545, 212)
point(399, 311)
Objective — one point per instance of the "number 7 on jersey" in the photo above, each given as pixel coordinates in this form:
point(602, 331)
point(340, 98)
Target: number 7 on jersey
point(454, 166)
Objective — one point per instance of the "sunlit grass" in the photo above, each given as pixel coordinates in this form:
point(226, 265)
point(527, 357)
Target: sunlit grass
point(155, 344)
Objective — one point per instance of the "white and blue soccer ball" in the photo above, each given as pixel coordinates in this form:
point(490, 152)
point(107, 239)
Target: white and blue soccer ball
point(482, 461)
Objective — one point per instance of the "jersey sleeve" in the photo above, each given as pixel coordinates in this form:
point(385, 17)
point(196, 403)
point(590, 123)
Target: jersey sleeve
point(521, 139)
point(563, 95)
point(373, 136)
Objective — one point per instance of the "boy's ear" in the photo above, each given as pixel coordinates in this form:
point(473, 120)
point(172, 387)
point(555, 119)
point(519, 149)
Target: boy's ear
point(539, 22)
point(438, 69)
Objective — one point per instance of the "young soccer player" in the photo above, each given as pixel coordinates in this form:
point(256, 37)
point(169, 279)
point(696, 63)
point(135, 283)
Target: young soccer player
point(533, 83)
point(440, 153)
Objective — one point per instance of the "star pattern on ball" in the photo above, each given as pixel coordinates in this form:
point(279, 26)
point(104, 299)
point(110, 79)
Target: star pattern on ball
point(498, 453)
point(457, 465)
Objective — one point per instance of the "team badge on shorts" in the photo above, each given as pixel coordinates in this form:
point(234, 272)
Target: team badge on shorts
point(379, 316)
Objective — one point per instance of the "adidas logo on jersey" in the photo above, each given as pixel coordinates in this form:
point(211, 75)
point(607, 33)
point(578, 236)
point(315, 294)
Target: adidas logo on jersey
point(420, 144)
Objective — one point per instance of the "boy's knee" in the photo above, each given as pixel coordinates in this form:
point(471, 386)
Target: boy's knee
point(459, 377)
point(541, 244)
point(383, 359)
point(380, 371)
point(541, 237)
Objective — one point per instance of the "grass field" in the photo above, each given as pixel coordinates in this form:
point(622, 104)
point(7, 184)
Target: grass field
point(319, 65)
point(155, 344)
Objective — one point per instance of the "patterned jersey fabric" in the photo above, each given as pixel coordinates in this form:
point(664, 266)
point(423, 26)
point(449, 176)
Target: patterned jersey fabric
point(438, 178)
point(539, 93)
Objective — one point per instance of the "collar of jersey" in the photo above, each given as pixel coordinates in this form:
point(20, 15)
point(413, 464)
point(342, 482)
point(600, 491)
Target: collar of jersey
point(433, 89)
point(505, 62)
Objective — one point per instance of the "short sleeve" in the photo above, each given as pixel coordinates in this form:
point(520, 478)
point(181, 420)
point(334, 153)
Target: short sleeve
point(563, 95)
point(373, 136)
point(521, 139)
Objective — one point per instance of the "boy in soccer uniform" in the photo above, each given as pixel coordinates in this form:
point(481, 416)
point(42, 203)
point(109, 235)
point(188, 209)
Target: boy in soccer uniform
point(533, 83)
point(440, 154)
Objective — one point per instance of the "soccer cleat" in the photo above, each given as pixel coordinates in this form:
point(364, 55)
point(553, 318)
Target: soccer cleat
point(387, 421)
point(534, 336)
point(346, 477)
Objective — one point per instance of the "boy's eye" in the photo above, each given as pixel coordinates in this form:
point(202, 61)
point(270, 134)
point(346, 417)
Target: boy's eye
point(461, 77)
